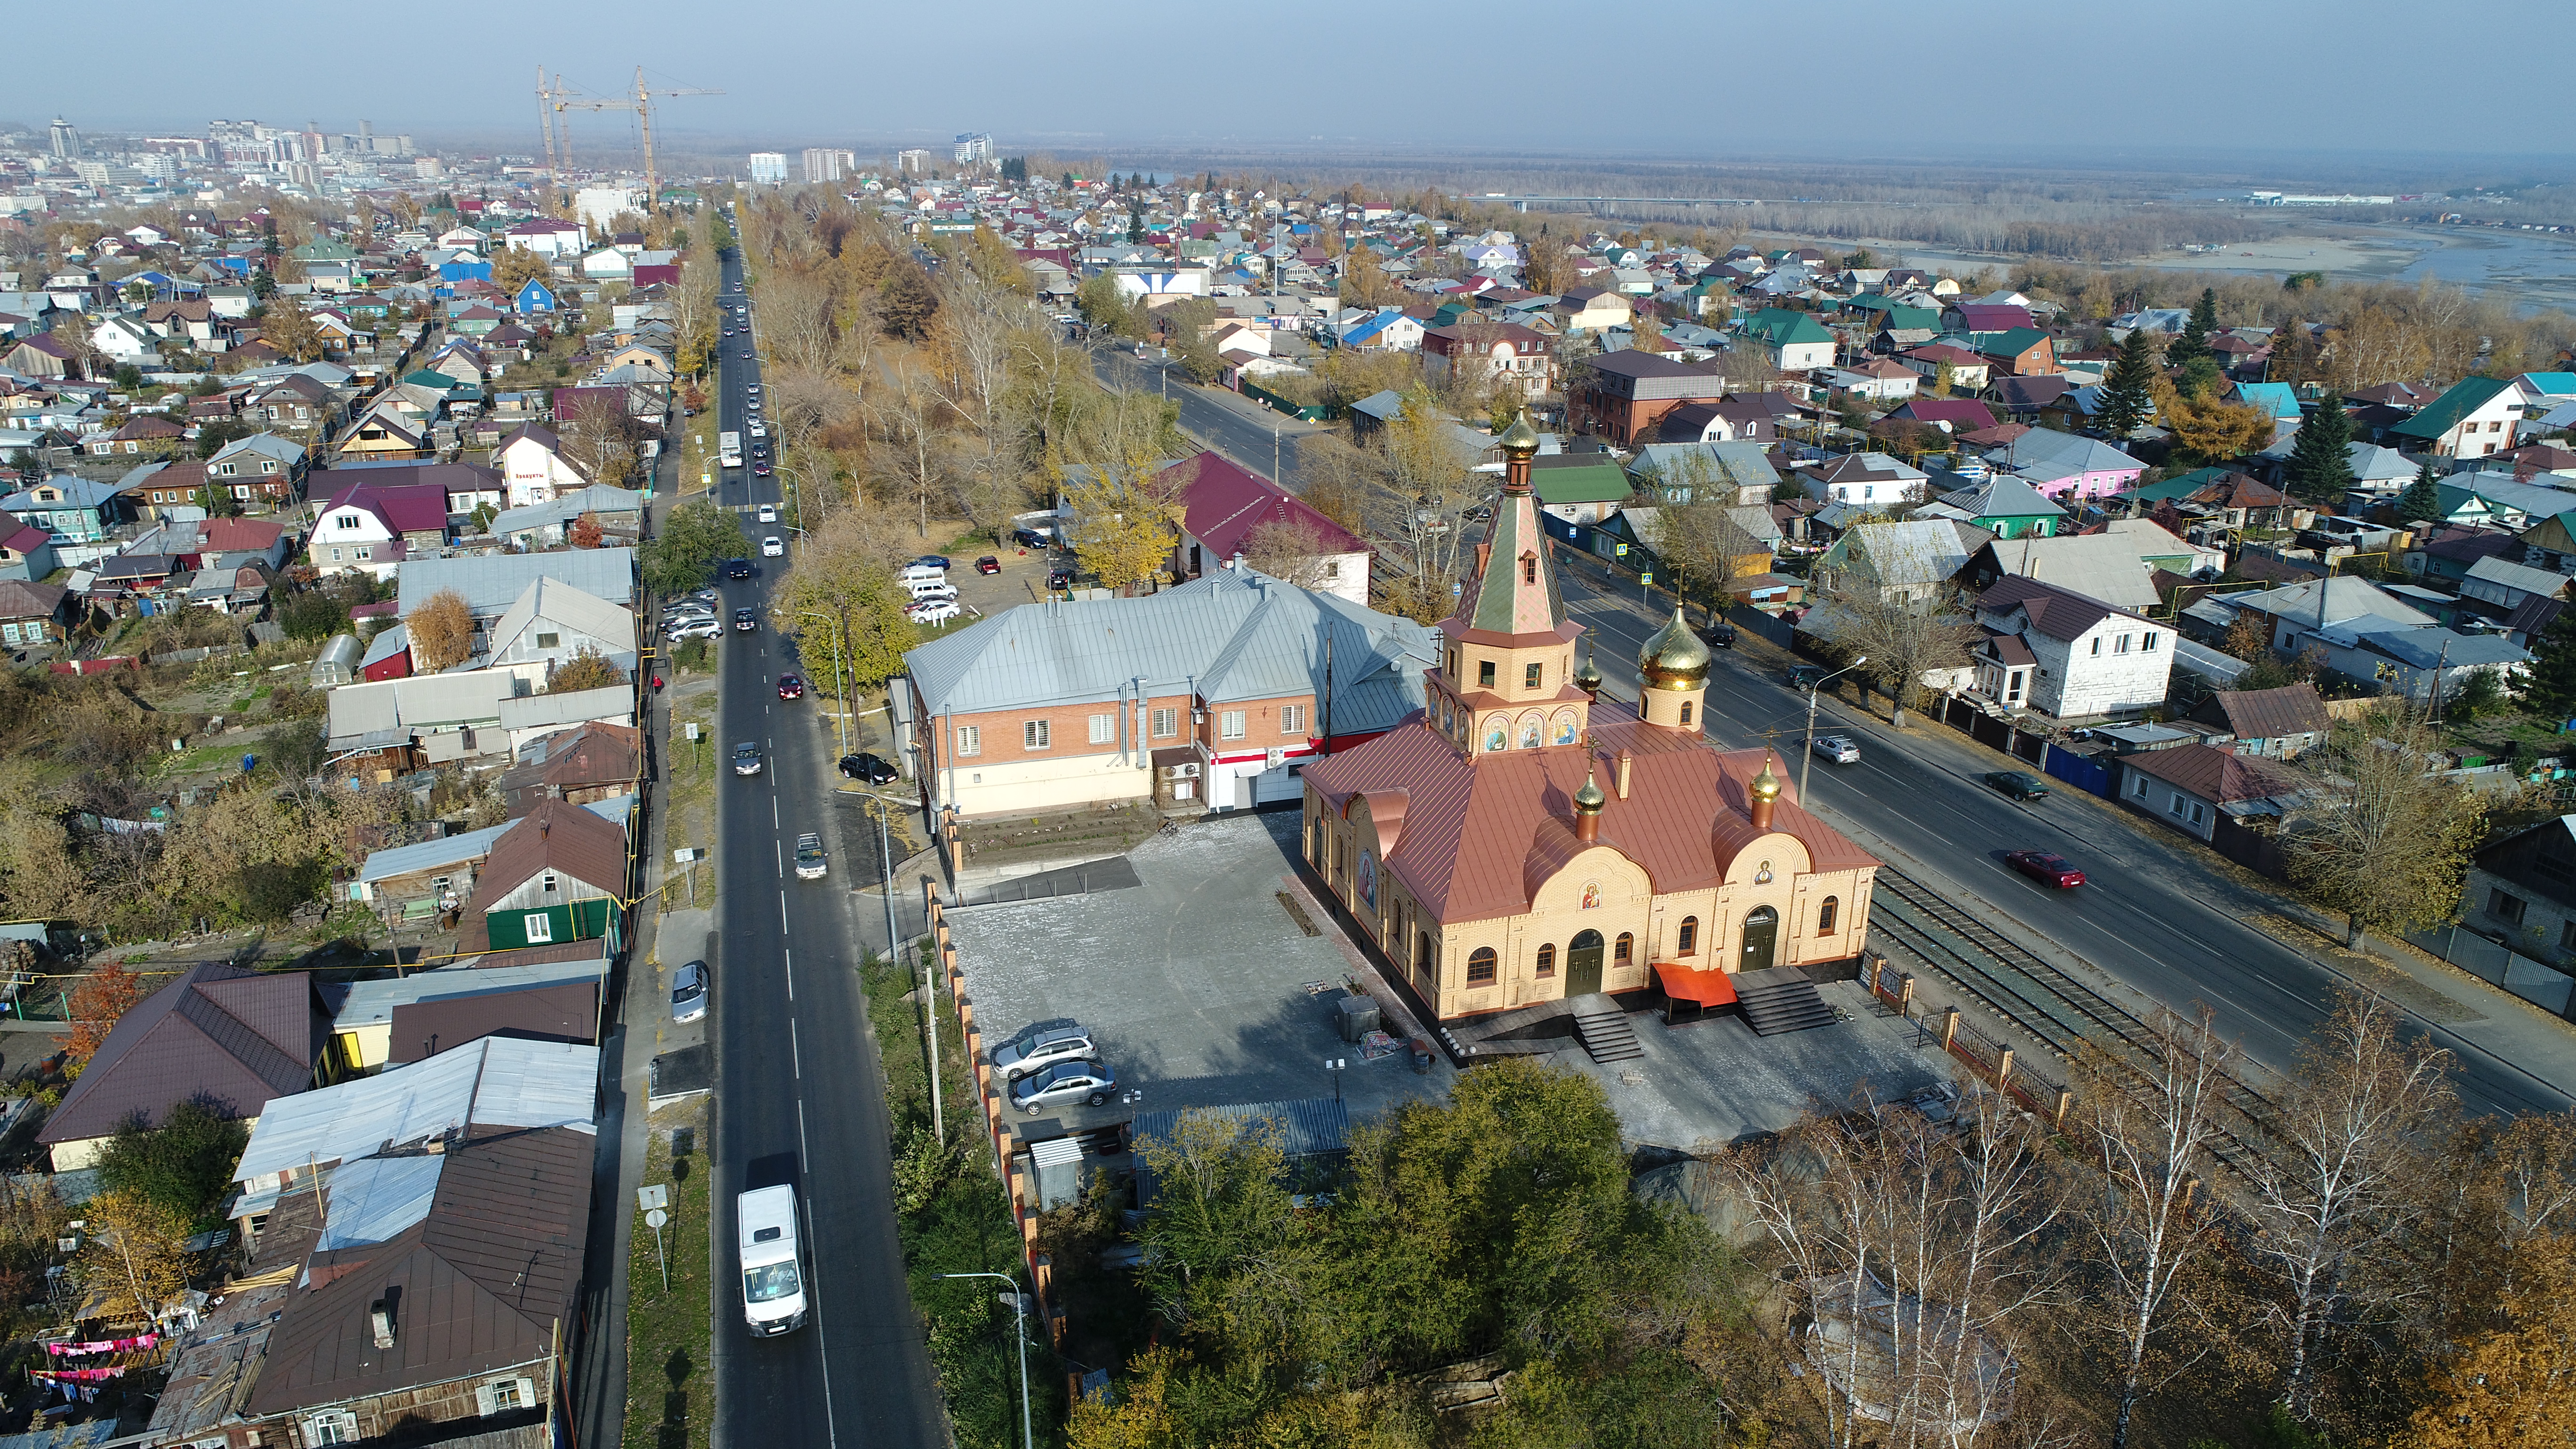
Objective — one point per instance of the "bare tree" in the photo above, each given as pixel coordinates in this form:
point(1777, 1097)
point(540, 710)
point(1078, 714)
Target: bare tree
point(1706, 550)
point(2149, 1137)
point(908, 414)
point(1288, 549)
point(598, 436)
point(796, 318)
point(2337, 1190)
point(1903, 634)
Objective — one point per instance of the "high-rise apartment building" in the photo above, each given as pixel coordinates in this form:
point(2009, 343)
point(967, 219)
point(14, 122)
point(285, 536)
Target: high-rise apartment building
point(823, 164)
point(974, 148)
point(913, 163)
point(66, 139)
point(768, 168)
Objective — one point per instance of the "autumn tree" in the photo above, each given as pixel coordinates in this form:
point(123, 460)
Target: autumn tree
point(291, 330)
point(441, 631)
point(1705, 548)
point(1125, 519)
point(2513, 1384)
point(2382, 837)
point(1904, 635)
point(136, 1253)
point(515, 267)
point(100, 1000)
point(1290, 549)
point(2206, 430)
point(585, 532)
point(585, 668)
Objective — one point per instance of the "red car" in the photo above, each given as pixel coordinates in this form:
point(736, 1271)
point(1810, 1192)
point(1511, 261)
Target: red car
point(791, 686)
point(988, 565)
point(2051, 870)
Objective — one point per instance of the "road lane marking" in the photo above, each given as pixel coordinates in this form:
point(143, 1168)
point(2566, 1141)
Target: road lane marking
point(780, 851)
point(787, 958)
point(813, 1294)
point(799, 1056)
point(782, 912)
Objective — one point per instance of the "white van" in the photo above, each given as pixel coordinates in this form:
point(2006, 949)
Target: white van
point(773, 1269)
point(922, 573)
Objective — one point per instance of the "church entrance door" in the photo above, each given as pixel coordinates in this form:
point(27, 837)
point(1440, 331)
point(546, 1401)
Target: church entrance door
point(1583, 965)
point(1761, 940)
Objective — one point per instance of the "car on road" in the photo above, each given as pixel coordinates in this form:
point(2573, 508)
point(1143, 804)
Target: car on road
point(988, 565)
point(933, 611)
point(2046, 867)
point(791, 686)
point(809, 857)
point(689, 992)
point(1838, 749)
point(869, 769)
point(760, 470)
point(1063, 1083)
point(765, 513)
point(931, 561)
point(706, 628)
point(1719, 636)
point(1042, 1044)
point(738, 568)
point(746, 758)
point(1805, 676)
point(2019, 784)
point(773, 547)
point(746, 619)
point(746, 354)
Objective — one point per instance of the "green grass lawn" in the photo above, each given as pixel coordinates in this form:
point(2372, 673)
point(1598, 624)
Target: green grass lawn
point(670, 1374)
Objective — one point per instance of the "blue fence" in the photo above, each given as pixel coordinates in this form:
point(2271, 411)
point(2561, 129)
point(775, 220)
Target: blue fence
point(2078, 771)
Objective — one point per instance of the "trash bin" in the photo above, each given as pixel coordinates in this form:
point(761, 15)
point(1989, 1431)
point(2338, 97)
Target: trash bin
point(1421, 1057)
point(1358, 1017)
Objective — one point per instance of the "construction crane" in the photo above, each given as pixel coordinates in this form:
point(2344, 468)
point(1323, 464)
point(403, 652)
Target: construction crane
point(554, 102)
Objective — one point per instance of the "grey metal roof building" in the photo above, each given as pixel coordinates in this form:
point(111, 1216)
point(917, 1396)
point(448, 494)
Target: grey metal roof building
point(492, 582)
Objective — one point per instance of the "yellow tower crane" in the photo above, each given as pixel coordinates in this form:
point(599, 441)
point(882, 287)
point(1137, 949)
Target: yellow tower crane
point(559, 100)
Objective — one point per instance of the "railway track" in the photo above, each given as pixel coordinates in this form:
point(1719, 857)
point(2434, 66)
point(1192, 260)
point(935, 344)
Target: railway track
point(2033, 996)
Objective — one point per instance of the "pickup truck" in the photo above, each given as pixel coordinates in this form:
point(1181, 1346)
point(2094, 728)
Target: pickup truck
point(809, 857)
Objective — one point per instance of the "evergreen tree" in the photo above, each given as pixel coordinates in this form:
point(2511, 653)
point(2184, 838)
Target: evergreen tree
point(2422, 500)
point(2294, 354)
point(2128, 396)
point(2321, 459)
point(2193, 344)
point(2550, 686)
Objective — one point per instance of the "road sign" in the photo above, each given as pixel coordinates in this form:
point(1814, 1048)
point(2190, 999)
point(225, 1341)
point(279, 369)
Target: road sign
point(652, 1195)
point(656, 1218)
point(693, 730)
point(683, 855)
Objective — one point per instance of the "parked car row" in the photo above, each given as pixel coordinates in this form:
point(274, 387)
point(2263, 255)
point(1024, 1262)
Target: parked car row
point(1052, 1064)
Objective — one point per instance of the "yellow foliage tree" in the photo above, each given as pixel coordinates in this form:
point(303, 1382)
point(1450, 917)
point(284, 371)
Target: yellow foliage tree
point(442, 631)
point(2514, 1386)
point(2210, 431)
point(843, 605)
point(1124, 519)
point(136, 1254)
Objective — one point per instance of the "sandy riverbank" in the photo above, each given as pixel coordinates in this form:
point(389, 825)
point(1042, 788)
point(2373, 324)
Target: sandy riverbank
point(2285, 254)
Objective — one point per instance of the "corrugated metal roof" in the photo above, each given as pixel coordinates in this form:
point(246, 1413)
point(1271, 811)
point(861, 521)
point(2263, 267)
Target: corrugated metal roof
point(1308, 1126)
point(492, 582)
point(374, 1199)
point(369, 1003)
point(498, 1082)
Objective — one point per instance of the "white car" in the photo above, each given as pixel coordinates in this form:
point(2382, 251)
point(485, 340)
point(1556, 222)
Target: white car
point(1839, 750)
point(766, 513)
point(773, 547)
point(697, 629)
point(937, 611)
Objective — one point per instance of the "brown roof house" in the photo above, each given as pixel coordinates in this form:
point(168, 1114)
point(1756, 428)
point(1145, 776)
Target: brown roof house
point(2279, 724)
point(241, 1038)
point(2190, 786)
point(417, 1239)
point(1526, 841)
point(558, 875)
point(593, 762)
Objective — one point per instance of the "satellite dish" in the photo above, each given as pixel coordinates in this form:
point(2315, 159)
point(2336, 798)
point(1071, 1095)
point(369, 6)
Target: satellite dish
point(1942, 423)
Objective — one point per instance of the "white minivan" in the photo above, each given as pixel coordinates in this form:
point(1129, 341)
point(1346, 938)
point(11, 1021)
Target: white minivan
point(914, 575)
point(773, 1269)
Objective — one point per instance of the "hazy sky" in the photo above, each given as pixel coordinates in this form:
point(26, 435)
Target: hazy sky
point(1858, 77)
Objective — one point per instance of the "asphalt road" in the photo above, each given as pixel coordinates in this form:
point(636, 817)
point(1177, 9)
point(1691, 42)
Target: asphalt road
point(2155, 917)
point(1268, 448)
point(798, 1093)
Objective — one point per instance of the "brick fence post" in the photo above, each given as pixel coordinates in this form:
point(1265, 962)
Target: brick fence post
point(2003, 1067)
point(1949, 1027)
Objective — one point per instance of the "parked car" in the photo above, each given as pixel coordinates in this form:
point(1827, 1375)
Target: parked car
point(1028, 538)
point(1719, 636)
point(746, 619)
point(1065, 1082)
point(689, 992)
point(933, 611)
point(2045, 867)
point(773, 547)
point(746, 758)
point(2019, 784)
point(869, 769)
point(791, 686)
point(1838, 749)
point(1060, 576)
point(1042, 1044)
point(988, 565)
point(706, 628)
point(931, 561)
point(766, 513)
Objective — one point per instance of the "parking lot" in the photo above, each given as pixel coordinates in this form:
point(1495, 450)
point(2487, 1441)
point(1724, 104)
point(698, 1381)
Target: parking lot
point(1197, 983)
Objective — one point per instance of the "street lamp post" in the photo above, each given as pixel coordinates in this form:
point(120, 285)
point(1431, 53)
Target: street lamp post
point(1807, 761)
point(1019, 1318)
point(840, 701)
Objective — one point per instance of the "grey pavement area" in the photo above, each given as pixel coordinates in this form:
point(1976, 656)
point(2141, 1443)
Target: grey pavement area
point(1195, 981)
point(1709, 1082)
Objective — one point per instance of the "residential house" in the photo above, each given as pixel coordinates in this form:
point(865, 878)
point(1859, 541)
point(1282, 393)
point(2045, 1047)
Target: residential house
point(241, 1039)
point(395, 1022)
point(534, 299)
point(2067, 467)
point(1500, 355)
point(2002, 505)
point(590, 763)
point(1969, 373)
point(2278, 724)
point(2087, 659)
point(1875, 380)
point(1388, 329)
point(2504, 586)
point(42, 355)
point(532, 459)
point(2015, 352)
point(2521, 890)
point(619, 512)
point(551, 623)
point(1215, 690)
point(560, 874)
point(1229, 513)
point(1578, 488)
point(1950, 414)
point(1796, 341)
point(416, 1246)
point(372, 528)
point(1593, 309)
point(263, 470)
point(1873, 482)
point(69, 508)
point(492, 582)
point(33, 613)
point(1735, 472)
point(1908, 561)
point(26, 552)
point(144, 434)
point(2292, 615)
point(1624, 396)
point(2103, 566)
point(386, 433)
point(1735, 418)
point(297, 402)
point(2190, 786)
point(2473, 418)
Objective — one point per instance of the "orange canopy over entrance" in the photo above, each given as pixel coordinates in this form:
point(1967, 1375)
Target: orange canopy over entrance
point(1708, 988)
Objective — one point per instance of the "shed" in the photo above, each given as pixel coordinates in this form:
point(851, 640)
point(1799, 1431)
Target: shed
point(338, 663)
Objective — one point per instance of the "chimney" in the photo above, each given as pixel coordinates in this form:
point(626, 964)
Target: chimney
point(380, 1317)
point(1625, 761)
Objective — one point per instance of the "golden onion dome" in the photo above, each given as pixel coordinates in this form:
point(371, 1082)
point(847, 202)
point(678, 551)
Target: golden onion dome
point(1766, 786)
point(1674, 658)
point(1520, 437)
point(1587, 675)
point(1589, 799)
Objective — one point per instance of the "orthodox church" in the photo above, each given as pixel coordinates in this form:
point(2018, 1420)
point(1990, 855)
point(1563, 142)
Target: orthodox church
point(1525, 840)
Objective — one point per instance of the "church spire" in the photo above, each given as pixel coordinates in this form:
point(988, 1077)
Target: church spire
point(1515, 591)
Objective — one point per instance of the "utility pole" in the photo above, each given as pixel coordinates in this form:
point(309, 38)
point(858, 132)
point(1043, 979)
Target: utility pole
point(1807, 760)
